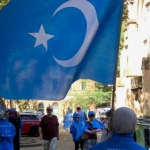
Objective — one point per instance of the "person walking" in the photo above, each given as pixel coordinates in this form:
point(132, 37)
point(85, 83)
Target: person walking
point(67, 119)
point(73, 130)
point(7, 133)
point(105, 131)
point(123, 126)
point(82, 114)
point(92, 137)
point(48, 130)
point(15, 120)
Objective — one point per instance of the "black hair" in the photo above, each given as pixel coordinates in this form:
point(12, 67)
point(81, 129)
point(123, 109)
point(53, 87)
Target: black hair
point(108, 113)
point(78, 108)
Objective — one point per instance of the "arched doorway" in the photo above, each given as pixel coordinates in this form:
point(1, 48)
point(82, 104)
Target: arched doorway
point(41, 108)
point(55, 109)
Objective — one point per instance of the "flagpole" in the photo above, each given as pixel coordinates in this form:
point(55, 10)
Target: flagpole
point(112, 106)
point(113, 97)
point(115, 71)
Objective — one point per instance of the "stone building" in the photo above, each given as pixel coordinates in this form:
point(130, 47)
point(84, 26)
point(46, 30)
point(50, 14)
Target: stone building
point(60, 107)
point(133, 85)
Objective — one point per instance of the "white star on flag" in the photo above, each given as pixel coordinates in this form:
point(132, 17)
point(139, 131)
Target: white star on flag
point(41, 37)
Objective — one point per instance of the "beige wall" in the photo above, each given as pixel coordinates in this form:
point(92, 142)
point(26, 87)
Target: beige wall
point(137, 46)
point(63, 105)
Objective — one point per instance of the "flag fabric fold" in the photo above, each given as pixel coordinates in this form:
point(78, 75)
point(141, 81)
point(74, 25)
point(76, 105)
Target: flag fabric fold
point(81, 128)
point(97, 124)
point(68, 119)
point(47, 45)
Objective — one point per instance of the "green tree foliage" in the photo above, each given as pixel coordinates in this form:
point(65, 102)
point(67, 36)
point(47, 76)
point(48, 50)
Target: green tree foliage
point(101, 95)
point(3, 3)
point(121, 46)
point(125, 11)
point(26, 104)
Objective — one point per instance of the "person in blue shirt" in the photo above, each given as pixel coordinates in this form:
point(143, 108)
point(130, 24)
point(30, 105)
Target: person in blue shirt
point(105, 131)
point(73, 130)
point(15, 120)
point(121, 137)
point(92, 137)
point(67, 119)
point(7, 133)
point(82, 114)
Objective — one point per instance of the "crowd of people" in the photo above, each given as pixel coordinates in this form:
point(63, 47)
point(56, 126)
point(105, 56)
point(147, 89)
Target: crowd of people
point(10, 129)
point(117, 131)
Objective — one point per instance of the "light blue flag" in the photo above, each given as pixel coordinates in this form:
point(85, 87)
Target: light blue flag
point(97, 124)
point(68, 119)
point(81, 127)
point(47, 45)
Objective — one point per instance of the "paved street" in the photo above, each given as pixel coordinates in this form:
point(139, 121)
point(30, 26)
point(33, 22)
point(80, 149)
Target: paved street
point(65, 142)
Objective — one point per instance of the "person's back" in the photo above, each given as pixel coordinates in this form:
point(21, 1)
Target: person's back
point(119, 142)
point(15, 120)
point(68, 119)
point(7, 133)
point(82, 114)
point(121, 138)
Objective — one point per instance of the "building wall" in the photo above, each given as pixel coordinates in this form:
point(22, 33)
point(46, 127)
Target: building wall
point(64, 104)
point(137, 46)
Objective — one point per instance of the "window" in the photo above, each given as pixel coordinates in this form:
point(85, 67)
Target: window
point(41, 107)
point(55, 109)
point(83, 85)
point(34, 117)
point(72, 86)
point(29, 117)
point(40, 117)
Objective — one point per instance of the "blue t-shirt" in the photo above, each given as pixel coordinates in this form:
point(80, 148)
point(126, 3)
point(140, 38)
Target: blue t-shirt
point(119, 142)
point(7, 133)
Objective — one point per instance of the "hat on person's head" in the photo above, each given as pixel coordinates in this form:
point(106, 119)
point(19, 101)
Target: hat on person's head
point(108, 113)
point(91, 113)
point(75, 115)
point(7, 109)
point(78, 108)
point(49, 108)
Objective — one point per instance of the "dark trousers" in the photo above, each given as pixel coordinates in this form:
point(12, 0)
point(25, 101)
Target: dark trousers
point(78, 144)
